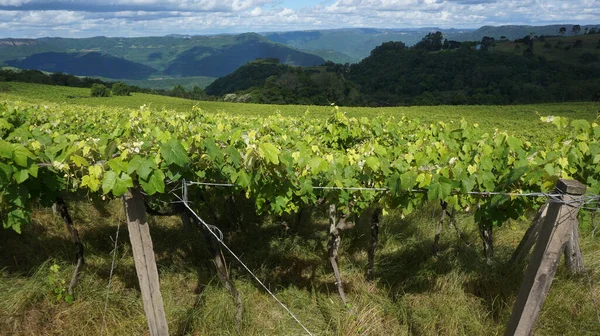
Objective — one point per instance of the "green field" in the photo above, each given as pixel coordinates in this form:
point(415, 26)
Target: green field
point(413, 291)
point(522, 120)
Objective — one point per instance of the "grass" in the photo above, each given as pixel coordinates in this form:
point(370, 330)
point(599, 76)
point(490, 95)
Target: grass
point(414, 292)
point(522, 120)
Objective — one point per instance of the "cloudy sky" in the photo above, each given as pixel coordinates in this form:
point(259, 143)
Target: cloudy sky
point(81, 18)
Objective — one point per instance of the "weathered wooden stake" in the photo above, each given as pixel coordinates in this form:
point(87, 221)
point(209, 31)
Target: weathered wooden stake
point(530, 237)
point(573, 256)
point(145, 263)
point(555, 232)
point(374, 240)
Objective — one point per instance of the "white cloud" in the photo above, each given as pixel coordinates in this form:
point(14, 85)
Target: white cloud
point(32, 18)
point(123, 5)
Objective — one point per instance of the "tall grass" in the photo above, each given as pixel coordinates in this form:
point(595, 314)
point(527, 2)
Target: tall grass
point(455, 292)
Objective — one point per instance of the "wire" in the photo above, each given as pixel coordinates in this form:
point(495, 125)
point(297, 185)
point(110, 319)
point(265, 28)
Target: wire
point(220, 240)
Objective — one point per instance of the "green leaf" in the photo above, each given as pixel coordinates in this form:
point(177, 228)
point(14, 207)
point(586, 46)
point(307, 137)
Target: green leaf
point(373, 163)
point(154, 183)
point(408, 180)
point(243, 179)
point(134, 164)
point(580, 125)
point(549, 169)
point(269, 152)
point(33, 170)
point(6, 149)
point(79, 161)
point(21, 154)
point(513, 143)
point(108, 182)
point(91, 182)
point(173, 152)
point(5, 173)
point(143, 167)
point(122, 183)
point(118, 165)
point(439, 189)
point(16, 218)
point(467, 185)
point(21, 175)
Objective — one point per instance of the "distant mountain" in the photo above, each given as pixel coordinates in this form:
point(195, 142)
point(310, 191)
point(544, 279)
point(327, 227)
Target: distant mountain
point(175, 55)
point(513, 32)
point(84, 64)
point(218, 62)
point(352, 44)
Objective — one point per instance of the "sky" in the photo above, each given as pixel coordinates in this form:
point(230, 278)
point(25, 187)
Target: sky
point(128, 18)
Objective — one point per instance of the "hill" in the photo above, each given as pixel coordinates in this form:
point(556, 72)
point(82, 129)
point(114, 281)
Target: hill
point(394, 74)
point(431, 73)
point(352, 45)
point(213, 62)
point(209, 56)
point(575, 50)
point(84, 64)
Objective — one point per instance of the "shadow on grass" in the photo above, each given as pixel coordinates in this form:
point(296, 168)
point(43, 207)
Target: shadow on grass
point(290, 255)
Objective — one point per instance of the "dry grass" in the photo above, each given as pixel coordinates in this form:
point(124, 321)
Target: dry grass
point(455, 292)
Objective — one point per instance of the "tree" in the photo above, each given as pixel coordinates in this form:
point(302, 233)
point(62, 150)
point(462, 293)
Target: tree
point(578, 44)
point(121, 89)
point(197, 93)
point(178, 91)
point(99, 90)
point(487, 42)
point(576, 29)
point(431, 42)
point(562, 31)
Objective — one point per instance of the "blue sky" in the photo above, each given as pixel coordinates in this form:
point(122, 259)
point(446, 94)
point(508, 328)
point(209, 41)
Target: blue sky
point(82, 18)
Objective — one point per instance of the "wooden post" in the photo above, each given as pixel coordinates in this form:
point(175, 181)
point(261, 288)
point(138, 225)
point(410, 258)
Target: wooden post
point(145, 263)
point(555, 232)
point(573, 256)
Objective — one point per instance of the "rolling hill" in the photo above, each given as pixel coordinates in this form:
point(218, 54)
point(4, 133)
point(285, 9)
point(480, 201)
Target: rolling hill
point(353, 44)
point(144, 57)
point(84, 64)
point(213, 62)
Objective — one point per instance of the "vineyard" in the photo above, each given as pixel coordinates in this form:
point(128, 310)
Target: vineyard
point(342, 170)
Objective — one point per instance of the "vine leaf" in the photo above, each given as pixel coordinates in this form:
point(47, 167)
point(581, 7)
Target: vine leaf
point(439, 189)
point(122, 183)
point(21, 154)
point(173, 152)
point(269, 152)
point(155, 182)
point(108, 182)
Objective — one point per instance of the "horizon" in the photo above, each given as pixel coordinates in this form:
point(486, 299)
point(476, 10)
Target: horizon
point(135, 18)
point(400, 29)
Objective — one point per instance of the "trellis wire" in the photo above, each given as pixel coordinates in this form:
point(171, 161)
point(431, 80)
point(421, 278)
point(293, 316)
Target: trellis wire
point(554, 198)
point(185, 202)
